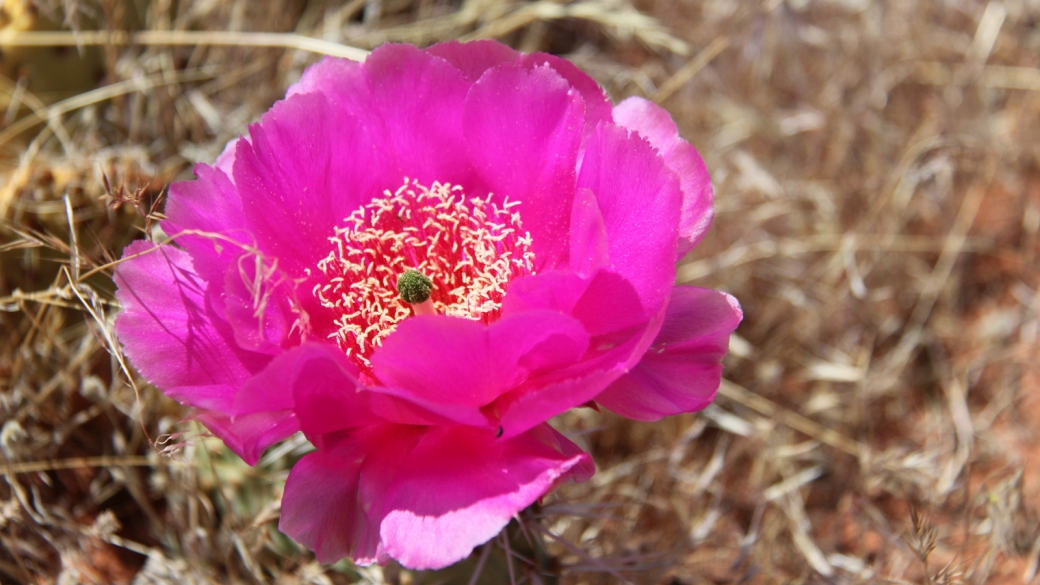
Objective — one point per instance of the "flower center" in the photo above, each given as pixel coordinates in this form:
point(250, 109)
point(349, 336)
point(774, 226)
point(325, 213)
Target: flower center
point(469, 249)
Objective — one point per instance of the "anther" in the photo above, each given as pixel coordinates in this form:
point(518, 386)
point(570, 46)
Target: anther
point(471, 247)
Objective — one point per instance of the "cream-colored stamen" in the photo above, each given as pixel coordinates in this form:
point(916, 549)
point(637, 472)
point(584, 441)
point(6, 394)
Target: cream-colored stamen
point(470, 248)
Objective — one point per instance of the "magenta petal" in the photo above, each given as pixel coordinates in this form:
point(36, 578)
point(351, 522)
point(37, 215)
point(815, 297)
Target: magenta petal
point(332, 502)
point(415, 112)
point(339, 80)
point(473, 59)
point(522, 130)
point(225, 162)
point(425, 496)
point(476, 57)
point(639, 199)
point(526, 408)
point(410, 103)
point(682, 369)
point(611, 355)
point(590, 249)
point(299, 179)
point(448, 360)
point(605, 303)
point(319, 384)
point(255, 306)
point(314, 380)
point(597, 102)
point(205, 218)
point(555, 290)
point(610, 305)
point(460, 486)
point(581, 472)
point(329, 397)
point(170, 334)
point(308, 366)
point(620, 333)
point(249, 435)
point(654, 124)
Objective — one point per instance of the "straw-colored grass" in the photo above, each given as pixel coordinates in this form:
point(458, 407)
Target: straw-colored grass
point(877, 176)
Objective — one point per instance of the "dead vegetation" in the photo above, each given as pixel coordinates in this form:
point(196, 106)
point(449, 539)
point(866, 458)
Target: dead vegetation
point(877, 177)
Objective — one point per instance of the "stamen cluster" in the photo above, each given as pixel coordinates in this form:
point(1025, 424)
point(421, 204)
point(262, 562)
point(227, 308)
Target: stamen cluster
point(470, 248)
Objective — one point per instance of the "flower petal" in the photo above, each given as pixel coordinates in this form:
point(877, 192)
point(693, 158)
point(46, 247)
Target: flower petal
point(299, 178)
point(682, 369)
point(250, 434)
point(225, 162)
point(476, 57)
point(416, 110)
point(448, 360)
point(320, 385)
point(332, 502)
point(255, 306)
point(424, 496)
point(597, 102)
point(410, 103)
point(459, 487)
point(611, 354)
point(172, 335)
point(590, 249)
point(527, 407)
point(205, 218)
point(639, 199)
point(522, 131)
point(655, 124)
point(473, 59)
point(605, 302)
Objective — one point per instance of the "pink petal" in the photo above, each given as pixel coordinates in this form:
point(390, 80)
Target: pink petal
point(415, 111)
point(590, 249)
point(410, 103)
point(305, 168)
point(448, 360)
point(639, 199)
point(326, 406)
point(425, 496)
point(256, 306)
point(682, 369)
point(473, 59)
point(249, 435)
point(547, 435)
point(339, 80)
point(555, 290)
point(333, 499)
point(654, 124)
point(611, 355)
point(597, 103)
point(205, 218)
point(320, 385)
point(527, 407)
point(522, 130)
point(460, 486)
point(604, 302)
point(308, 366)
point(170, 333)
point(610, 306)
point(225, 162)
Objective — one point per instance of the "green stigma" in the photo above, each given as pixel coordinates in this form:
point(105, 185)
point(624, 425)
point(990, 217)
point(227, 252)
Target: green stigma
point(414, 287)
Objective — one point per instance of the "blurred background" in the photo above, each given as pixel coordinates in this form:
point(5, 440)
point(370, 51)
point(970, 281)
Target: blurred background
point(877, 176)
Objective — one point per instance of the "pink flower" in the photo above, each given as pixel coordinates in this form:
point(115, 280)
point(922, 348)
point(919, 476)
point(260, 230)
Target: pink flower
point(547, 224)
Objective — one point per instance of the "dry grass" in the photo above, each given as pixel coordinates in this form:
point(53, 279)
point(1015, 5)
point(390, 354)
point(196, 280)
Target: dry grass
point(878, 202)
